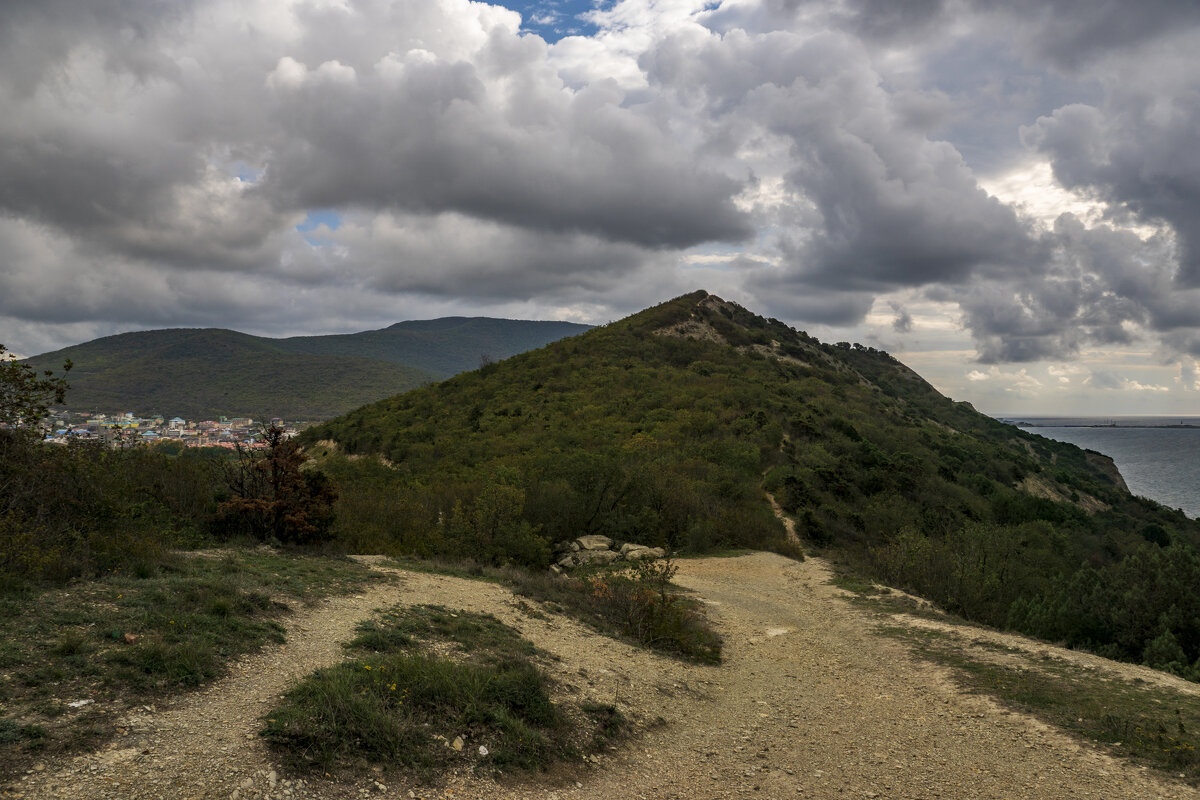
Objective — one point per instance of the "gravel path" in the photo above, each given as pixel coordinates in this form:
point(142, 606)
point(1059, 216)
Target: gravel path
point(809, 703)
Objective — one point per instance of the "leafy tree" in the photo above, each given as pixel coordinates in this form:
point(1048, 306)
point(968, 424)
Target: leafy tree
point(26, 396)
point(272, 497)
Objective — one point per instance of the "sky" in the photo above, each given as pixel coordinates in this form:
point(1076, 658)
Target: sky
point(1006, 196)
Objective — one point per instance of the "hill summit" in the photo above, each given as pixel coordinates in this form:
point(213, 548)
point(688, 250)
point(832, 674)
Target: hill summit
point(682, 425)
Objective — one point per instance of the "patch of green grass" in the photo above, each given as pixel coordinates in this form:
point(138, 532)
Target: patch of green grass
point(1149, 724)
point(611, 724)
point(477, 635)
point(13, 732)
point(641, 605)
point(398, 703)
point(856, 584)
point(885, 600)
point(131, 637)
point(638, 605)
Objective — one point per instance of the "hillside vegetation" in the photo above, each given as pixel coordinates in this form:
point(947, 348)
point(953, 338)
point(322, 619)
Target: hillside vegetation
point(671, 426)
point(206, 373)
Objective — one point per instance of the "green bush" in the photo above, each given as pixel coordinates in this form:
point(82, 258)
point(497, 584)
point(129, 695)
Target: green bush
point(641, 604)
point(83, 509)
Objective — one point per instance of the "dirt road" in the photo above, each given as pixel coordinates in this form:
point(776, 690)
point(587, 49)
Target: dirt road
point(809, 703)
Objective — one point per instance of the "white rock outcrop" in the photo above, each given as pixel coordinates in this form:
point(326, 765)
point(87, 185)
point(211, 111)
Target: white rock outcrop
point(596, 549)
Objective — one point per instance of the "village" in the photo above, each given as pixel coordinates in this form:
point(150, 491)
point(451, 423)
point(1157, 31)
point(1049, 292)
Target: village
point(127, 429)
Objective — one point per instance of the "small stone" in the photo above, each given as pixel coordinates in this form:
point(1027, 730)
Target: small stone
point(483, 751)
point(457, 744)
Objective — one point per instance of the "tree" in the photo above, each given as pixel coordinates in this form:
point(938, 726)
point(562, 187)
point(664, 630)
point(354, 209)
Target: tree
point(26, 396)
point(272, 497)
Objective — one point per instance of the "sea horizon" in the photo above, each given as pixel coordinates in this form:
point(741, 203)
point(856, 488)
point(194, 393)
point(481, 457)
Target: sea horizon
point(1101, 420)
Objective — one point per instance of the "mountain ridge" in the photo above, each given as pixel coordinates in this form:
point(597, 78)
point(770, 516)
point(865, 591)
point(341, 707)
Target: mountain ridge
point(207, 372)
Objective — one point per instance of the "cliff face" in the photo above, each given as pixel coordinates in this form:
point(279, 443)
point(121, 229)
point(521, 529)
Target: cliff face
point(1107, 466)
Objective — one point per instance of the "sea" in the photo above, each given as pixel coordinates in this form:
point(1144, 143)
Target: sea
point(1159, 457)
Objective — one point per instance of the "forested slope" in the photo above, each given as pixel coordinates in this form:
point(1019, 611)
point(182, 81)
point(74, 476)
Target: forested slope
point(201, 373)
point(204, 373)
point(670, 426)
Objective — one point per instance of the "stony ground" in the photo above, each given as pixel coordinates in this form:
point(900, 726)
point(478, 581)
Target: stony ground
point(809, 703)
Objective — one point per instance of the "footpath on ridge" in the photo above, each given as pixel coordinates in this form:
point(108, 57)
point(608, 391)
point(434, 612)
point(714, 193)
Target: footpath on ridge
point(809, 703)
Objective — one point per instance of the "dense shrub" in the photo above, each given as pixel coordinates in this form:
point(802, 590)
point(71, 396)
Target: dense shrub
point(640, 604)
point(272, 498)
point(84, 508)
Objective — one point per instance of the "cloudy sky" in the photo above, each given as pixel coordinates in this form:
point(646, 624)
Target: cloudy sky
point(1006, 195)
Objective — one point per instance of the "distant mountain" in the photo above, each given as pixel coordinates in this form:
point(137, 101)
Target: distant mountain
point(209, 372)
point(444, 347)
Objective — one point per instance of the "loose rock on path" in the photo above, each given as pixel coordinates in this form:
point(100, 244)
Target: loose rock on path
point(808, 703)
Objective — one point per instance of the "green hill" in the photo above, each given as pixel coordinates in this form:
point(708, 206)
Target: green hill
point(202, 373)
point(672, 426)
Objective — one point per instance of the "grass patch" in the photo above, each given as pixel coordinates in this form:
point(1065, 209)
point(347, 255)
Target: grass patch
point(1149, 724)
point(132, 637)
point(426, 689)
point(638, 604)
point(476, 635)
point(885, 600)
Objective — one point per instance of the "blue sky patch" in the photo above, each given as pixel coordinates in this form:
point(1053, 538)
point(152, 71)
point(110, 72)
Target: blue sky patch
point(315, 219)
point(322, 216)
point(554, 19)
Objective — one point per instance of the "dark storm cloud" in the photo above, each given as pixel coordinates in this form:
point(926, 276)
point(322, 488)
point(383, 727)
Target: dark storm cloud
point(1070, 33)
point(454, 255)
point(1099, 285)
point(1067, 33)
point(784, 299)
point(431, 137)
point(1137, 152)
point(127, 126)
point(37, 35)
point(1111, 86)
point(886, 19)
point(903, 323)
point(156, 158)
point(893, 207)
point(874, 19)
